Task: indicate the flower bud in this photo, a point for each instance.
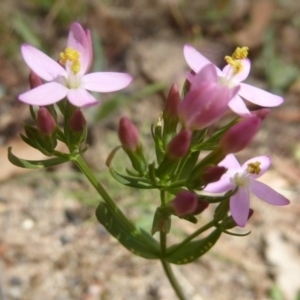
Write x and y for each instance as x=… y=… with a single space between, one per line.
x=212 y=174
x=128 y=135
x=45 y=121
x=240 y=135
x=78 y=121
x=172 y=103
x=184 y=203
x=179 y=145
x=201 y=206
x=34 y=80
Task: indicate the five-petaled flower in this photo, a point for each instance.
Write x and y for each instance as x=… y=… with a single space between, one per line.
x=244 y=179
x=236 y=71
x=67 y=77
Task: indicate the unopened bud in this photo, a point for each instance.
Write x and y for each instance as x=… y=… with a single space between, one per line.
x=172 y=103
x=201 y=206
x=34 y=80
x=212 y=174
x=179 y=145
x=261 y=113
x=240 y=135
x=128 y=135
x=184 y=203
x=45 y=121
x=78 y=121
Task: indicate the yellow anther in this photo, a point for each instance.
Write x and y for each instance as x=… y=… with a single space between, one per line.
x=236 y=65
x=73 y=56
x=254 y=168
x=240 y=53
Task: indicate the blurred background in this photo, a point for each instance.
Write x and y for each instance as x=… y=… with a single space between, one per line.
x=51 y=246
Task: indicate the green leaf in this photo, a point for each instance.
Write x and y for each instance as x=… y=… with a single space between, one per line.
x=34 y=164
x=134 y=239
x=136 y=182
x=192 y=250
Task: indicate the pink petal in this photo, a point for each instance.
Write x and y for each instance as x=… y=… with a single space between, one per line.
x=40 y=63
x=238 y=106
x=259 y=96
x=195 y=60
x=221 y=186
x=265 y=163
x=231 y=163
x=239 y=206
x=105 y=81
x=207 y=73
x=243 y=74
x=267 y=194
x=81 y=98
x=78 y=40
x=45 y=94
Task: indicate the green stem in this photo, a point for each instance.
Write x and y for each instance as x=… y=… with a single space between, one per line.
x=80 y=163
x=193 y=235
x=172 y=279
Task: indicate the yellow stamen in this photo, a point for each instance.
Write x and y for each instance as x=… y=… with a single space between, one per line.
x=73 y=56
x=235 y=64
x=240 y=53
x=254 y=168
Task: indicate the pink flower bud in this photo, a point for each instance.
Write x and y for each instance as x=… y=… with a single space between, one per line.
x=240 y=135
x=201 y=206
x=34 y=80
x=261 y=113
x=45 y=121
x=212 y=174
x=128 y=134
x=172 y=102
x=184 y=203
x=78 y=121
x=179 y=145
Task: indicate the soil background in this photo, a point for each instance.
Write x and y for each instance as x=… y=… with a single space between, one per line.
x=51 y=245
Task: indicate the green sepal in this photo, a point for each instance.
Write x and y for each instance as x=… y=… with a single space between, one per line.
x=32 y=113
x=162 y=220
x=136 y=182
x=192 y=250
x=222 y=210
x=213 y=141
x=136 y=240
x=34 y=164
x=159 y=147
x=190 y=218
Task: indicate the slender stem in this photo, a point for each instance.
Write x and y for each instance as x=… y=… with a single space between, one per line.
x=172 y=279
x=193 y=235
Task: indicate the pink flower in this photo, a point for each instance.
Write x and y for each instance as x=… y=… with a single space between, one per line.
x=206 y=101
x=233 y=74
x=244 y=178
x=68 y=78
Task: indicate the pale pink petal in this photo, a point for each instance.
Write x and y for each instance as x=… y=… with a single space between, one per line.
x=239 y=206
x=265 y=163
x=259 y=96
x=223 y=185
x=44 y=94
x=243 y=74
x=90 y=44
x=230 y=162
x=238 y=106
x=40 y=63
x=105 y=81
x=267 y=194
x=78 y=40
x=195 y=60
x=81 y=98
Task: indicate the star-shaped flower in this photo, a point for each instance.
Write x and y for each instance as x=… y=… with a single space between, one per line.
x=236 y=71
x=67 y=77
x=244 y=179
